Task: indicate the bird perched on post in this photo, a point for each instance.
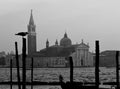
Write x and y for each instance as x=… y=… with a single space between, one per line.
x=22 y=34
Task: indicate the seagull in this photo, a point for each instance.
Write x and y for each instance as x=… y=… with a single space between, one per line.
x=22 y=34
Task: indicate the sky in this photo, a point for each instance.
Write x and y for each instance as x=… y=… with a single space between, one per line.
x=90 y=20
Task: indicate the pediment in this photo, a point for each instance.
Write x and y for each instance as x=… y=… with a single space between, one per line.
x=82 y=45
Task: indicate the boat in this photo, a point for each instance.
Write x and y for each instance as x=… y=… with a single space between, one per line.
x=69 y=85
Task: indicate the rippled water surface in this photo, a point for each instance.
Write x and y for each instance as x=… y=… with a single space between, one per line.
x=52 y=74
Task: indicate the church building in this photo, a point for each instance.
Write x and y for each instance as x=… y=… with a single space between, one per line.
x=55 y=55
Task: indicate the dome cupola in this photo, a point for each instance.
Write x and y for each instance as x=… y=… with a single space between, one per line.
x=65 y=41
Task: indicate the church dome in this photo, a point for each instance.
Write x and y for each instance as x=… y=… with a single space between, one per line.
x=65 y=41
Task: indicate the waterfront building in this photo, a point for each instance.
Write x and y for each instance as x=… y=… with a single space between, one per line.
x=55 y=55
x=82 y=56
x=2 y=58
x=2 y=54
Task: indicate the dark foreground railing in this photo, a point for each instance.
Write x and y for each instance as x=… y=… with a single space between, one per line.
x=54 y=83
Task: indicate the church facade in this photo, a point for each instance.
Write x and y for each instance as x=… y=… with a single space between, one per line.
x=56 y=55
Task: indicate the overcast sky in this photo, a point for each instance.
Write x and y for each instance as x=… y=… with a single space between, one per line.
x=82 y=19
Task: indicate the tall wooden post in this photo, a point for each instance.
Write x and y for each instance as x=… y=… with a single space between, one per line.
x=71 y=69
x=32 y=73
x=24 y=63
x=10 y=73
x=117 y=68
x=17 y=65
x=97 y=64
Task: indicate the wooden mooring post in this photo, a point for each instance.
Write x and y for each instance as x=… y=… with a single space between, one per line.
x=17 y=65
x=71 y=69
x=97 y=65
x=24 y=63
x=117 y=69
x=10 y=73
x=32 y=61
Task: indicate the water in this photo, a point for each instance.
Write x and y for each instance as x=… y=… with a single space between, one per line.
x=52 y=74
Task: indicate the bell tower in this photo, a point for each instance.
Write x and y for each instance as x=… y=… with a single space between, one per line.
x=31 y=36
x=47 y=43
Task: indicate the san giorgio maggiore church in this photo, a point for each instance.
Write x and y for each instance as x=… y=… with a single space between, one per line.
x=57 y=54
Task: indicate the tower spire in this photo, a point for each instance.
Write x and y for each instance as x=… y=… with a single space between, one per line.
x=56 y=43
x=82 y=41
x=47 y=43
x=31 y=22
x=31 y=36
x=65 y=35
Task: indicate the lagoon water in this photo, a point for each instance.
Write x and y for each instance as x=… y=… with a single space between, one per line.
x=52 y=74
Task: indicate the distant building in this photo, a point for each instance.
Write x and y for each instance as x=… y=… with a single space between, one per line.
x=2 y=58
x=108 y=58
x=31 y=36
x=2 y=54
x=55 y=55
x=8 y=57
x=5 y=58
x=82 y=56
